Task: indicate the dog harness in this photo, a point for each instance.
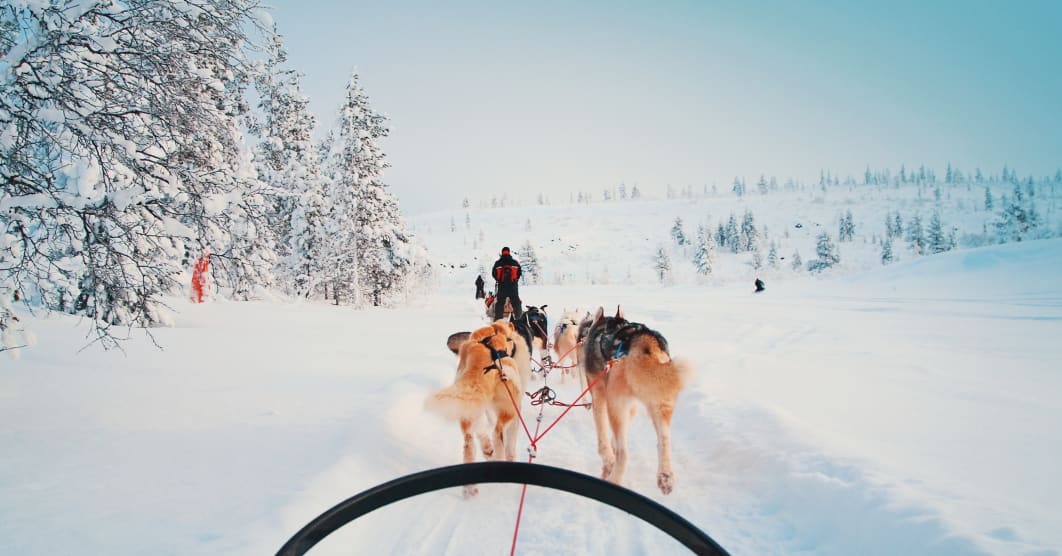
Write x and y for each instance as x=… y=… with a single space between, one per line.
x=495 y=355
x=564 y=324
x=618 y=344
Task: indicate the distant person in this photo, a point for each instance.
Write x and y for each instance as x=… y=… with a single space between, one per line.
x=480 y=294
x=760 y=286
x=507 y=273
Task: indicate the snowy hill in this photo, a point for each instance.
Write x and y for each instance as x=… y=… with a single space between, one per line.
x=909 y=409
x=616 y=241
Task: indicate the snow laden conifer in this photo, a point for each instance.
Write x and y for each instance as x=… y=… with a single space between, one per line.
x=375 y=254
x=532 y=272
x=704 y=252
x=662 y=265
x=289 y=164
x=733 y=240
x=916 y=235
x=677 y=233
x=887 y=256
x=772 y=256
x=798 y=263
x=827 y=252
x=846 y=229
x=937 y=240
x=120 y=154
x=738 y=187
x=242 y=245
x=757 y=256
x=720 y=236
x=1017 y=219
x=749 y=234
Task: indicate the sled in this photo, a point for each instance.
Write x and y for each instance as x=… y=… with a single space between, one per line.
x=557 y=478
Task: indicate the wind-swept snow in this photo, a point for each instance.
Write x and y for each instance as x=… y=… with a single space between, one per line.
x=909 y=410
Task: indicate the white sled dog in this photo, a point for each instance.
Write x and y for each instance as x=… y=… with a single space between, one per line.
x=479 y=394
x=642 y=371
x=565 y=338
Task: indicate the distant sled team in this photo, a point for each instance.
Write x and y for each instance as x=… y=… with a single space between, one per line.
x=625 y=362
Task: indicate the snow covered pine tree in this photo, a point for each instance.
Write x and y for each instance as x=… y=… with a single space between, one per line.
x=288 y=163
x=364 y=211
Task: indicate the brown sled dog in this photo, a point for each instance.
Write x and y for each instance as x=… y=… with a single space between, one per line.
x=485 y=357
x=642 y=371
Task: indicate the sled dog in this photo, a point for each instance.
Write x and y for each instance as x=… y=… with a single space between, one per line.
x=641 y=371
x=488 y=380
x=532 y=326
x=565 y=338
x=522 y=355
x=507 y=311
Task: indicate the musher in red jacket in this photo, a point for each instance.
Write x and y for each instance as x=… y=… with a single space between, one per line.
x=506 y=273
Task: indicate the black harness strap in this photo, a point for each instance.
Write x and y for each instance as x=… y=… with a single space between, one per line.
x=495 y=355
x=618 y=343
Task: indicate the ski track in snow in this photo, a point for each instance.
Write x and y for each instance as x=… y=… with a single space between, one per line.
x=300 y=430
x=760 y=496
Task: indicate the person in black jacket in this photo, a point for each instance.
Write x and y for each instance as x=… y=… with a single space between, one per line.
x=480 y=294
x=507 y=273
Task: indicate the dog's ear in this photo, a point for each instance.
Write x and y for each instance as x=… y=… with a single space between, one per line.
x=456 y=339
x=619 y=312
x=599 y=314
x=511 y=327
x=542 y=308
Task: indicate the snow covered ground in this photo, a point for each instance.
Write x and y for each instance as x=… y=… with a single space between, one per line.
x=911 y=409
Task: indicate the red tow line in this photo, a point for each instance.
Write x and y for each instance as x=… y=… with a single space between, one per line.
x=533 y=448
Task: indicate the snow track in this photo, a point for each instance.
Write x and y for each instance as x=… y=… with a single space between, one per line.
x=739 y=476
x=824 y=418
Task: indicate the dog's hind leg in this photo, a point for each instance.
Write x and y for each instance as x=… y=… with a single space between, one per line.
x=482 y=429
x=599 y=407
x=485 y=445
x=505 y=436
x=469 y=452
x=619 y=416
x=661 y=416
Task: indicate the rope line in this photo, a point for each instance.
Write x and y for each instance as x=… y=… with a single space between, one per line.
x=542 y=397
x=573 y=404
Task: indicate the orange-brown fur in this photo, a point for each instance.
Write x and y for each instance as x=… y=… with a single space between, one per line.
x=647 y=374
x=475 y=394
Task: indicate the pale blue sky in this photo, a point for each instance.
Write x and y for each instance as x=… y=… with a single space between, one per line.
x=557 y=96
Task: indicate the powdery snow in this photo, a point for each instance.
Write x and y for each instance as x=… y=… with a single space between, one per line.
x=907 y=410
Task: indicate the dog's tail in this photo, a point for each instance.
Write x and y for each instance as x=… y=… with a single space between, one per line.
x=459 y=401
x=655 y=346
x=683 y=370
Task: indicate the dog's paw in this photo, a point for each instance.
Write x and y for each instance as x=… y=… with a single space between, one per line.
x=470 y=491
x=666 y=482
x=488 y=449
x=606 y=470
